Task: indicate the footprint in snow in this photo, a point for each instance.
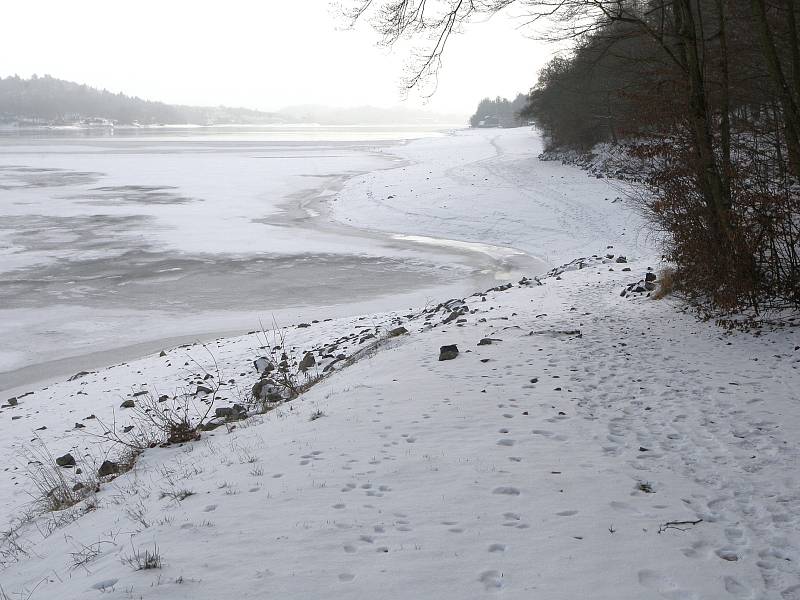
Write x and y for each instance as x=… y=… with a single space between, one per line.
x=727 y=554
x=734 y=535
x=567 y=513
x=622 y=506
x=491 y=580
x=791 y=593
x=664 y=586
x=497 y=548
x=734 y=587
x=106 y=584
x=506 y=490
x=346 y=577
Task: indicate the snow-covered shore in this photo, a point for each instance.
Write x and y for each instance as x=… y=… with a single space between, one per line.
x=125 y=246
x=548 y=463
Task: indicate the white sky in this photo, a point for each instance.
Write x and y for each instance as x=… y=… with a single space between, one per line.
x=262 y=54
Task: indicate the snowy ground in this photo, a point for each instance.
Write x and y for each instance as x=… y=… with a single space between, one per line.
x=547 y=464
x=487 y=185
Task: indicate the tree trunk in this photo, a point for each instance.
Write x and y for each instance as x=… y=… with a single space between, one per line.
x=789 y=108
x=710 y=179
x=725 y=106
x=795 y=48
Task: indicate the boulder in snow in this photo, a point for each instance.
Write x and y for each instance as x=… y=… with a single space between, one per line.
x=448 y=352
x=109 y=467
x=66 y=461
x=307 y=362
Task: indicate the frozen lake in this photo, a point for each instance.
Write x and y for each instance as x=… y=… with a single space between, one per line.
x=113 y=247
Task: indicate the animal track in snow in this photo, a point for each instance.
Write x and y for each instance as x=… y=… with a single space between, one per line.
x=727 y=554
x=491 y=580
x=506 y=490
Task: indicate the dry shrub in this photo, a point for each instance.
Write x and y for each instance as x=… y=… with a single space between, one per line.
x=143 y=560
x=56 y=488
x=162 y=420
x=284 y=376
x=755 y=264
x=666 y=284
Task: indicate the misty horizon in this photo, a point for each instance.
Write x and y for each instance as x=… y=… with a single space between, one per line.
x=264 y=57
x=50 y=101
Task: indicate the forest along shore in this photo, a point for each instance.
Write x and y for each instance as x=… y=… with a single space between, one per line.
x=568 y=421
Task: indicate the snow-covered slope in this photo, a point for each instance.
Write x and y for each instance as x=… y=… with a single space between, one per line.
x=600 y=446
x=488 y=186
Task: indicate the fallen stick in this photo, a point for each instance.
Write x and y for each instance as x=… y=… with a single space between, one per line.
x=677 y=525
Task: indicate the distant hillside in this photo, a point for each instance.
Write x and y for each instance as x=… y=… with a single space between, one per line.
x=50 y=101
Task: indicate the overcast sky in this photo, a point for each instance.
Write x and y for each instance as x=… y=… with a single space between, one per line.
x=262 y=54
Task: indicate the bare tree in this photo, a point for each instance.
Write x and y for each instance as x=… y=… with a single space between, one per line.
x=712 y=85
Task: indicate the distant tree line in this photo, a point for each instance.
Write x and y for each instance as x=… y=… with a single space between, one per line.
x=706 y=92
x=500 y=112
x=52 y=100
